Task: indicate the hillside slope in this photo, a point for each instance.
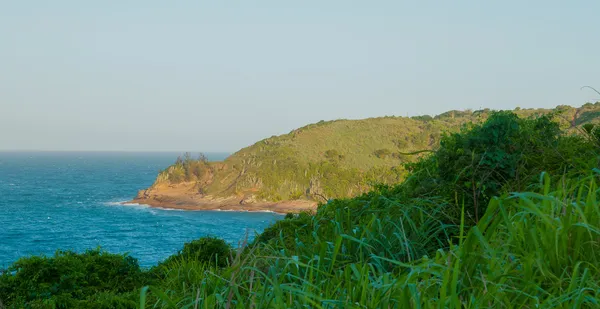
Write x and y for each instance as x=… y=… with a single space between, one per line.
x=329 y=159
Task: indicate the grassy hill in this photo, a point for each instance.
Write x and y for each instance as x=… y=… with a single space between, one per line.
x=340 y=158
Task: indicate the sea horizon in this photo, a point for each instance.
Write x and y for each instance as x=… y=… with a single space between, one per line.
x=114 y=151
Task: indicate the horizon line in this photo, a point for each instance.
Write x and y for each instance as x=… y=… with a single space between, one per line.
x=115 y=151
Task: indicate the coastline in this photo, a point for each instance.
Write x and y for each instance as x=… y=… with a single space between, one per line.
x=195 y=203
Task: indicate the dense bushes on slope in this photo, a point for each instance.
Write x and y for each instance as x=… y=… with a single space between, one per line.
x=504 y=154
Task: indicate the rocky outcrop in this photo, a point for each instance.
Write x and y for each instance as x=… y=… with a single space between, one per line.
x=185 y=196
x=251 y=199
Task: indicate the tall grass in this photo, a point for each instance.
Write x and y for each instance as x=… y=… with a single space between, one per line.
x=529 y=250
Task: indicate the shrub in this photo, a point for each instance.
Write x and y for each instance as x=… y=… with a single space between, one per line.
x=422 y=118
x=291 y=228
x=505 y=153
x=209 y=250
x=333 y=155
x=186 y=169
x=68 y=277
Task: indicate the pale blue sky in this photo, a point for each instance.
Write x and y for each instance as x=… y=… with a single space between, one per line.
x=220 y=75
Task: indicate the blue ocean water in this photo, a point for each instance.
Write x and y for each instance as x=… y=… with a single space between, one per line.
x=69 y=200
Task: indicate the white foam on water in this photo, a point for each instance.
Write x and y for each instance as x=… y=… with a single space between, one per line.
x=269 y=211
x=145 y=206
x=169 y=209
x=125 y=204
x=115 y=203
x=136 y=205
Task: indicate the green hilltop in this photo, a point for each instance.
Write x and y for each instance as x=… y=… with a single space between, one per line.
x=339 y=158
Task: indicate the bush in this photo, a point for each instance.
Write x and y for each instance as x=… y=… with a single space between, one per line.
x=422 y=118
x=288 y=231
x=209 y=250
x=186 y=169
x=333 y=155
x=68 y=277
x=505 y=153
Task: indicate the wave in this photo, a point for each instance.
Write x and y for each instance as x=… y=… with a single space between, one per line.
x=118 y=203
x=145 y=206
x=138 y=205
x=124 y=203
x=169 y=209
x=245 y=210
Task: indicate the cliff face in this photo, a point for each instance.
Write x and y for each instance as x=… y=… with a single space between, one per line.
x=333 y=159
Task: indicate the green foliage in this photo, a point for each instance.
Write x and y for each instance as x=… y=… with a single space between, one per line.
x=69 y=280
x=422 y=118
x=209 y=250
x=186 y=169
x=287 y=231
x=530 y=250
x=503 y=154
x=592 y=131
x=333 y=155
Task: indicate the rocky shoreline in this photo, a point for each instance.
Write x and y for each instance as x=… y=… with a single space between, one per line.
x=181 y=197
x=282 y=207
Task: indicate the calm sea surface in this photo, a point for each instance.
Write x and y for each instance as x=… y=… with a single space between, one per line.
x=70 y=200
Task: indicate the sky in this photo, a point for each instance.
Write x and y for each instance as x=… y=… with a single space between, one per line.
x=146 y=75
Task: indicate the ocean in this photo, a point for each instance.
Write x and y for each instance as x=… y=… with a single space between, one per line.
x=72 y=201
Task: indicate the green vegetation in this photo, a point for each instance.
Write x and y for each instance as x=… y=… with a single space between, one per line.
x=187 y=169
x=333 y=155
x=98 y=279
x=503 y=214
x=504 y=154
x=210 y=250
x=71 y=280
x=342 y=158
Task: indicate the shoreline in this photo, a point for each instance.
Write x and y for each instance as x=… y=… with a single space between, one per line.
x=233 y=204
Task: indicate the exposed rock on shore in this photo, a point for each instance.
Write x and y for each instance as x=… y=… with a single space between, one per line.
x=183 y=196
